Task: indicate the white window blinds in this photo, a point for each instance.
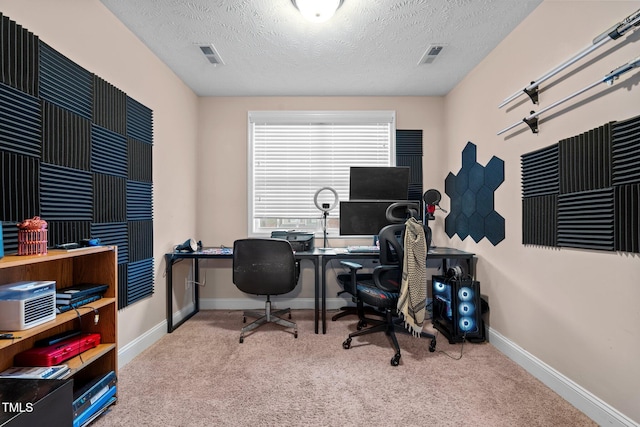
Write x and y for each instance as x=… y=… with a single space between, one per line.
x=292 y=154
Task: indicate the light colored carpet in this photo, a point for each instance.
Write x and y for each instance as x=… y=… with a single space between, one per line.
x=200 y=375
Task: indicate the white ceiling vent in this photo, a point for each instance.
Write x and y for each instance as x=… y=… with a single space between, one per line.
x=211 y=54
x=431 y=53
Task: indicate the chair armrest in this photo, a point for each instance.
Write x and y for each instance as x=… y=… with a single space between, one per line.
x=385 y=285
x=351 y=265
x=353 y=283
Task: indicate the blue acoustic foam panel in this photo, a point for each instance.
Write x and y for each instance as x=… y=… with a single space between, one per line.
x=472 y=199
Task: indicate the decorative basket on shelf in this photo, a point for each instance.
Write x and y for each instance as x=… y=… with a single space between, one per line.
x=32 y=236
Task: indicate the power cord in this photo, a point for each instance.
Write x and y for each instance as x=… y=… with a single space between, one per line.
x=96 y=319
x=464 y=339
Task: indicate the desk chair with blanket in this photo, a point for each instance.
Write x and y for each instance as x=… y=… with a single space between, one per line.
x=265 y=267
x=399 y=285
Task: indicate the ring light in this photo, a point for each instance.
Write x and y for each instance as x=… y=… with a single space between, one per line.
x=335 y=199
x=325 y=210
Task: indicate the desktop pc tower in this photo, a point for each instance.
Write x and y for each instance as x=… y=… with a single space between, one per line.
x=458 y=309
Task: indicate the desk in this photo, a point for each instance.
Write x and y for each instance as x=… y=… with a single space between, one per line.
x=441 y=253
x=215 y=253
x=319 y=258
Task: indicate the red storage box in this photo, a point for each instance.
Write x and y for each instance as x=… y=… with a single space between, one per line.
x=57 y=353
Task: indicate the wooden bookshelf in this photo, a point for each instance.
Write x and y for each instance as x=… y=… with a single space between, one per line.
x=68 y=268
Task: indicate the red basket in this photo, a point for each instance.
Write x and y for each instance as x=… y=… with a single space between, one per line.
x=32 y=242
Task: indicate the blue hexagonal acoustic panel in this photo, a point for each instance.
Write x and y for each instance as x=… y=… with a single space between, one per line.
x=472 y=198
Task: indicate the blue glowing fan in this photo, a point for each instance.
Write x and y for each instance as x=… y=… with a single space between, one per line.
x=466 y=309
x=467 y=324
x=465 y=294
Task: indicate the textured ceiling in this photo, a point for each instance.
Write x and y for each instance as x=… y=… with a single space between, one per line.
x=369 y=47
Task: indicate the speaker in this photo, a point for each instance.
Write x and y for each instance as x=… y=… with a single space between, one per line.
x=457 y=308
x=189 y=245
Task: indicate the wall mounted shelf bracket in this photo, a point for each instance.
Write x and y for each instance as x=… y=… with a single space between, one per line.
x=532 y=93
x=532 y=122
x=613 y=33
x=608 y=79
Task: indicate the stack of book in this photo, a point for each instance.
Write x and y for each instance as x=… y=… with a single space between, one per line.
x=94 y=398
x=78 y=295
x=35 y=372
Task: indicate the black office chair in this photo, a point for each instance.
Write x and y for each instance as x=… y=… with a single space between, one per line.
x=265 y=267
x=385 y=291
x=346 y=280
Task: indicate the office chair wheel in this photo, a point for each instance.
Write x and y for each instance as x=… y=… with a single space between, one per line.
x=244 y=319
x=432 y=345
x=295 y=334
x=347 y=344
x=241 y=340
x=395 y=360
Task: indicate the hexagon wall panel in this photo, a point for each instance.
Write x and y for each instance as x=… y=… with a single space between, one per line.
x=472 y=198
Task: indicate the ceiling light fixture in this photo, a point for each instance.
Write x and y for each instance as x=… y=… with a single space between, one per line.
x=317 y=10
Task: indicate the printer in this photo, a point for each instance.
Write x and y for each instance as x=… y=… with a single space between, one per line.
x=301 y=241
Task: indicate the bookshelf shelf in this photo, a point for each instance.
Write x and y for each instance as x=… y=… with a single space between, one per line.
x=68 y=268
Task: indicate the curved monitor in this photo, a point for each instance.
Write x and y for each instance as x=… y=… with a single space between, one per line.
x=378 y=183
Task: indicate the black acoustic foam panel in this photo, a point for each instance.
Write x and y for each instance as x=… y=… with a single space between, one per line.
x=19 y=60
x=409 y=153
x=76 y=151
x=598 y=204
x=20 y=122
x=20 y=189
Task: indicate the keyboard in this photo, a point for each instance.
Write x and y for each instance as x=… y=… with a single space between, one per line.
x=363 y=249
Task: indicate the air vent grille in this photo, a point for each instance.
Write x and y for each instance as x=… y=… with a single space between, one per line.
x=211 y=54
x=38 y=308
x=433 y=50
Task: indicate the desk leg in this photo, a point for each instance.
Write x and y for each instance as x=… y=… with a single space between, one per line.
x=196 y=285
x=316 y=270
x=324 y=295
x=196 y=292
x=169 y=273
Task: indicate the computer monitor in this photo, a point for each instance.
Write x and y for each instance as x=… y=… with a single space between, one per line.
x=379 y=183
x=366 y=217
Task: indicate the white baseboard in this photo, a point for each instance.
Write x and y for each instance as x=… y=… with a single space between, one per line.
x=128 y=352
x=585 y=401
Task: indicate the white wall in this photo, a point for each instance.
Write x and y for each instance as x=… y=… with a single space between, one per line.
x=575 y=310
x=222 y=199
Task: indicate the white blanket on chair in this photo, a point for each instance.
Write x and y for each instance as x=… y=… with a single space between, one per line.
x=413 y=290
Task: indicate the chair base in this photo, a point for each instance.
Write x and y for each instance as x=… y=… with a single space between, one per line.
x=389 y=327
x=352 y=310
x=267 y=316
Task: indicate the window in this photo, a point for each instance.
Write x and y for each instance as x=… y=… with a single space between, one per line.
x=293 y=154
